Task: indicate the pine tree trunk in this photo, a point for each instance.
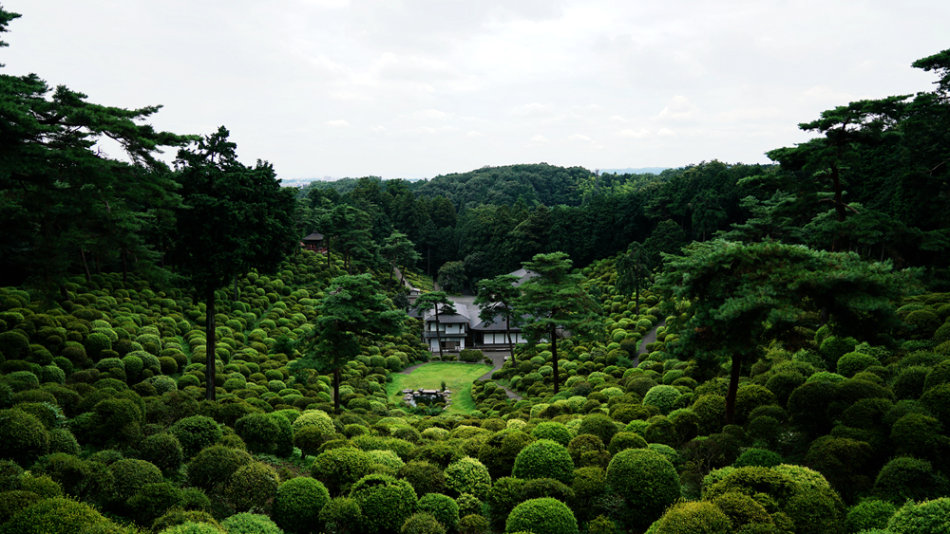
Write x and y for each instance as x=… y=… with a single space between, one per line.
x=438 y=331
x=557 y=378
x=734 y=373
x=210 y=342
x=336 y=390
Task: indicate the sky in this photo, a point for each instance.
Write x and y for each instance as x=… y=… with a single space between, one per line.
x=417 y=88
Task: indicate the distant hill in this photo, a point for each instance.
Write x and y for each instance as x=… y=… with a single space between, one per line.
x=640 y=170
x=538 y=183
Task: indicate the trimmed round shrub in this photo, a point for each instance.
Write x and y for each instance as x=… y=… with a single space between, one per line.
x=588 y=450
x=248 y=523
x=163 y=450
x=189 y=527
x=928 y=517
x=552 y=431
x=13 y=501
x=177 y=517
x=58 y=515
x=339 y=468
x=498 y=453
x=468 y=475
x=424 y=477
x=41 y=485
x=215 y=465
x=646 y=481
x=468 y=504
x=599 y=425
x=544 y=459
x=342 y=515
x=474 y=524
x=663 y=397
x=905 y=478
x=442 y=507
x=130 y=475
x=151 y=501
x=542 y=516
x=693 y=518
x=385 y=502
x=195 y=433
x=868 y=514
x=855 y=362
x=742 y=509
x=626 y=440
x=23 y=438
x=298 y=504
x=251 y=486
x=758 y=457
x=62 y=440
x=422 y=523
x=266 y=433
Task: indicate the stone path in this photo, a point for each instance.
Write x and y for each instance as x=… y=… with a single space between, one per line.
x=647 y=339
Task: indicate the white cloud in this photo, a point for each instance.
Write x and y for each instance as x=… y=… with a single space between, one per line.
x=638 y=133
x=338 y=123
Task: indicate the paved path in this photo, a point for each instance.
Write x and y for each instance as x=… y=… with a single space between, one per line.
x=647 y=339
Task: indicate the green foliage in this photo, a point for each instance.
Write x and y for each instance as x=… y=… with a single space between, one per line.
x=248 y=523
x=164 y=451
x=693 y=517
x=153 y=500
x=342 y=515
x=59 y=515
x=758 y=457
x=868 y=514
x=339 y=468
x=130 y=475
x=422 y=523
x=385 y=502
x=266 y=433
x=906 y=478
x=23 y=438
x=251 y=486
x=544 y=459
x=468 y=475
x=663 y=397
x=928 y=517
x=298 y=503
x=195 y=433
x=442 y=507
x=552 y=431
x=215 y=465
x=542 y=516
x=646 y=481
x=599 y=425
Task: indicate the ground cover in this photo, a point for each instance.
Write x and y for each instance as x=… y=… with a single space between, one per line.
x=458 y=377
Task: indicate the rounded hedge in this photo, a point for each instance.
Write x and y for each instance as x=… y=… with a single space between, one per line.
x=552 y=431
x=646 y=481
x=468 y=475
x=164 y=450
x=421 y=523
x=442 y=507
x=251 y=486
x=693 y=517
x=906 y=478
x=928 y=517
x=195 y=433
x=266 y=433
x=544 y=459
x=339 y=468
x=298 y=504
x=498 y=453
x=23 y=438
x=385 y=502
x=868 y=514
x=599 y=425
x=542 y=516
x=342 y=515
x=58 y=515
x=248 y=523
x=214 y=465
x=663 y=397
x=130 y=475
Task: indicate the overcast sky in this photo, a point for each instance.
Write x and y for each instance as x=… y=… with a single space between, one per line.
x=413 y=88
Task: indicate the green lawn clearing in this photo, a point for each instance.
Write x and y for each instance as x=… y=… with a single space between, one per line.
x=458 y=377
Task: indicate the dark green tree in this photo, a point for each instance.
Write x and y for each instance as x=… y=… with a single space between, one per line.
x=234 y=218
x=633 y=270
x=496 y=298
x=354 y=312
x=735 y=296
x=439 y=303
x=554 y=303
x=400 y=252
x=65 y=205
x=452 y=277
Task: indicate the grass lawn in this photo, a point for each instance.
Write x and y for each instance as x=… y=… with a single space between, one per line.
x=458 y=377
